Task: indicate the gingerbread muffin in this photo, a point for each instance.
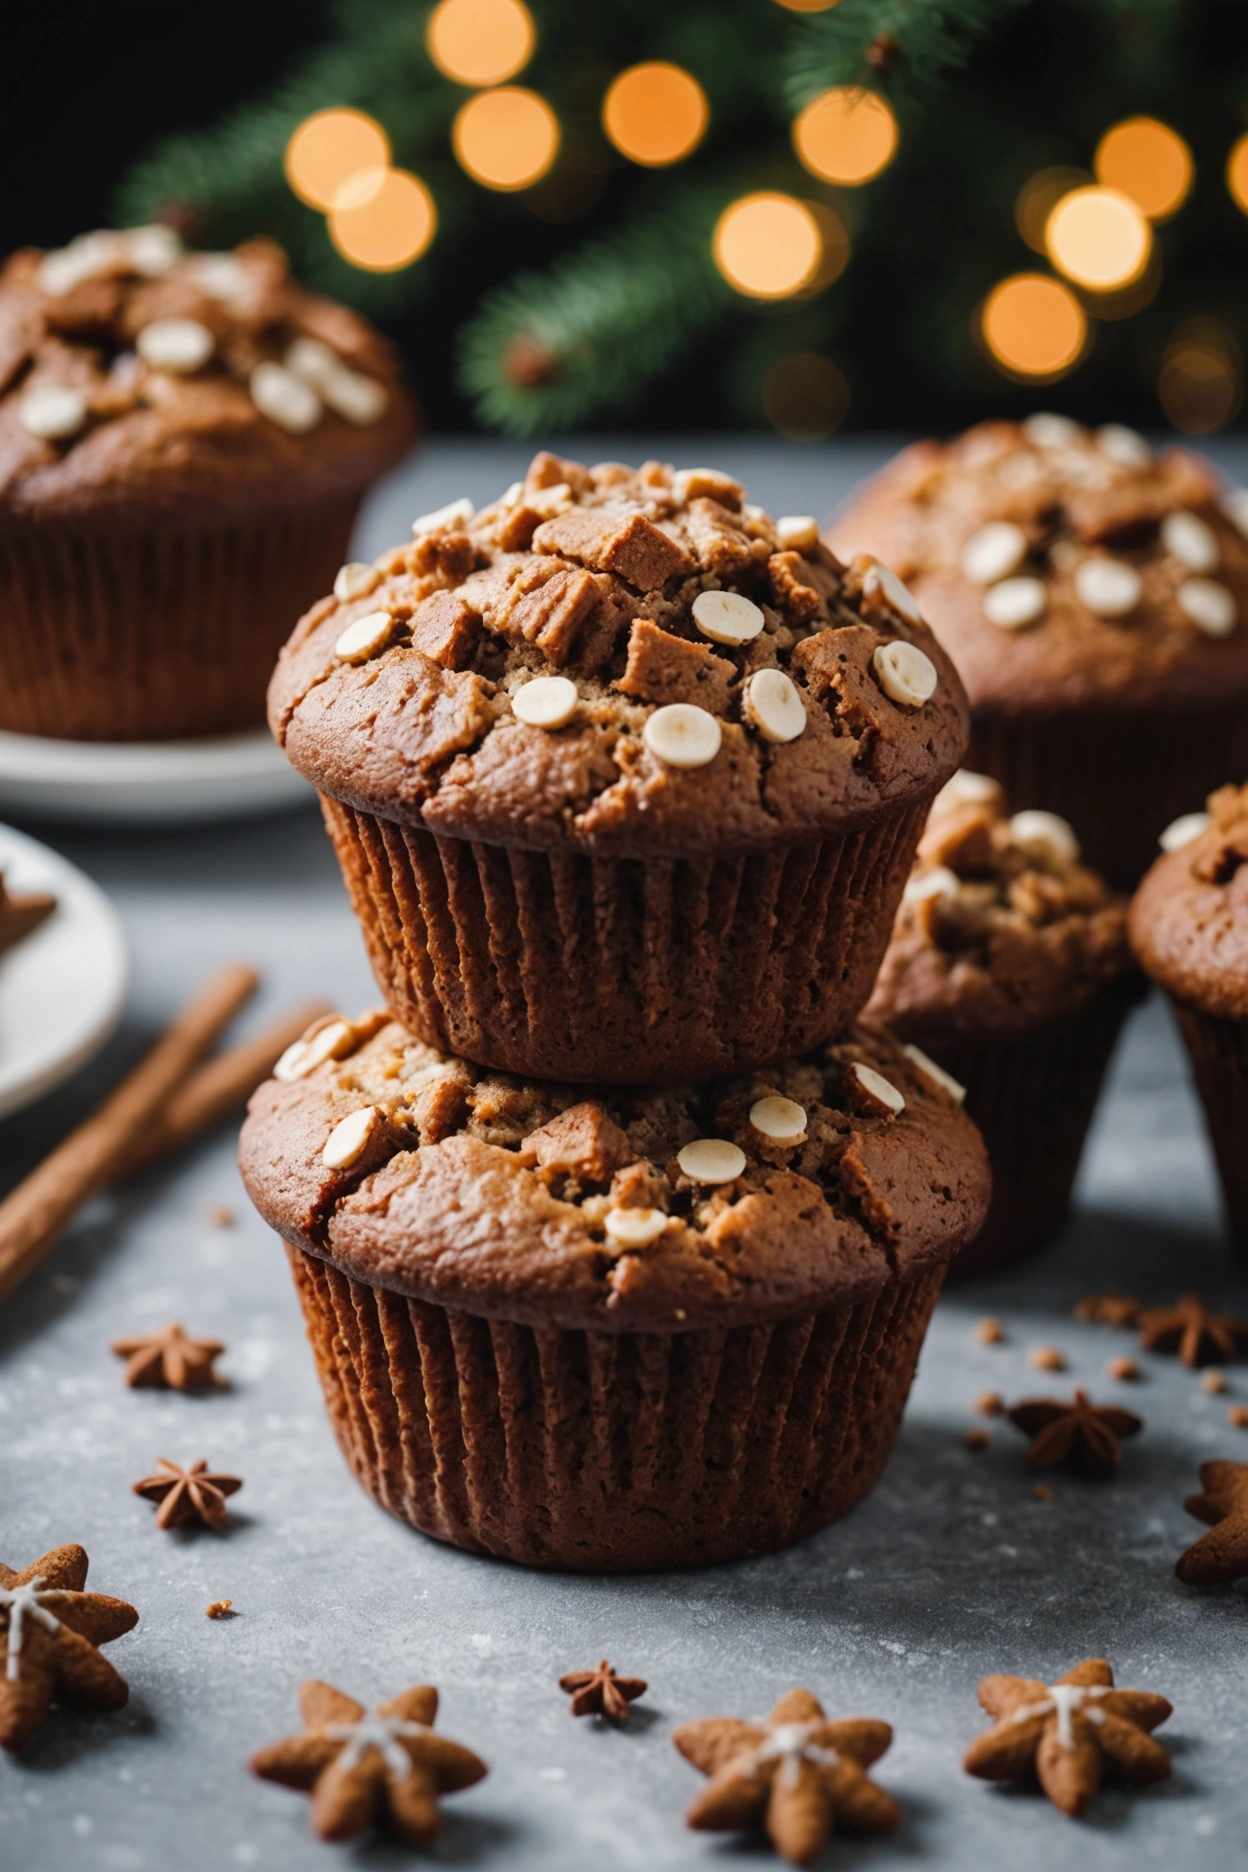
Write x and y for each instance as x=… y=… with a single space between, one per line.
x=625 y=778
x=184 y=442
x=653 y=1328
x=1009 y=965
x=1094 y=597
x=1189 y=928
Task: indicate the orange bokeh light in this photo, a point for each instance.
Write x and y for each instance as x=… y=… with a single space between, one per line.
x=506 y=139
x=767 y=245
x=655 y=114
x=383 y=219
x=1148 y=161
x=846 y=135
x=1237 y=173
x=480 y=42
x=328 y=148
x=1033 y=327
x=1099 y=238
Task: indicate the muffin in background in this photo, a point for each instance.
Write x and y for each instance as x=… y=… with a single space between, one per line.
x=1009 y=966
x=652 y=1328
x=1094 y=596
x=1189 y=928
x=184 y=442
x=625 y=778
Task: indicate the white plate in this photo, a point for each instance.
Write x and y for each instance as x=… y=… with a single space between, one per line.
x=62 y=988
x=147 y=782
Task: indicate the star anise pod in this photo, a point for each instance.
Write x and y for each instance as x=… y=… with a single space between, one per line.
x=363 y=1766
x=601 y=1692
x=172 y=1358
x=1110 y=1309
x=1069 y=1734
x=1223 y=1502
x=794 y=1775
x=1082 y=1436
x=1199 y=1336
x=49 y=1632
x=19 y=915
x=193 y=1494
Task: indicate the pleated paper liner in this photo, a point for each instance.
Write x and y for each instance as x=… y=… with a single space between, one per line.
x=165 y=633
x=557 y=966
x=612 y=1452
x=1218 y=1047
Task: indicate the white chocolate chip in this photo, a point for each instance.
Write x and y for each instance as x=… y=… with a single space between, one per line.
x=1125 y=446
x=333 y=1041
x=711 y=1160
x=1044 y=836
x=152 y=250
x=443 y=519
x=348 y=1140
x=546 y=702
x=936 y=1074
x=965 y=788
x=1235 y=507
x=797 y=532
x=356 y=580
x=906 y=674
x=181 y=345
x=1015 y=603
x=877 y=1088
x=364 y=637
x=773 y=704
x=1108 y=587
x=285 y=399
x=1186 y=536
x=1047 y=431
x=879 y=578
x=940 y=882
x=727 y=617
x=782 y=1120
x=52 y=412
x=683 y=735
x=993 y=553
x=1208 y=605
x=1184 y=829
x=635 y=1228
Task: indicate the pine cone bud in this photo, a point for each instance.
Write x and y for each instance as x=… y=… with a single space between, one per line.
x=883 y=54
x=527 y=363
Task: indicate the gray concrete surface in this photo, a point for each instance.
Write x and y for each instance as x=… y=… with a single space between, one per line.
x=949 y=1570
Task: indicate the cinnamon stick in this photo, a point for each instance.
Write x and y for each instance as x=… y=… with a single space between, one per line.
x=34 y=1214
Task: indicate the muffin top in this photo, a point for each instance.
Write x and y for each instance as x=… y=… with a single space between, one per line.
x=1000 y=926
x=1067 y=568
x=622 y=662
x=1189 y=918
x=808 y=1186
x=138 y=380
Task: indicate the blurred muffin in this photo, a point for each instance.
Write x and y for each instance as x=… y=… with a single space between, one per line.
x=1094 y=597
x=654 y=1328
x=625 y=778
x=1189 y=928
x=184 y=442
x=1009 y=966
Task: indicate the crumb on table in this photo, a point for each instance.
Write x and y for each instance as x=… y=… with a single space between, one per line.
x=221 y=1608
x=990 y=1332
x=1046 y=1358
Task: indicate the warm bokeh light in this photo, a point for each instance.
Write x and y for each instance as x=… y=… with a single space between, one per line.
x=655 y=114
x=846 y=135
x=1033 y=327
x=1237 y=173
x=1130 y=299
x=805 y=396
x=506 y=139
x=383 y=219
x=807 y=6
x=1200 y=384
x=834 y=259
x=480 y=42
x=1098 y=238
x=1148 y=161
x=328 y=148
x=1039 y=196
x=767 y=245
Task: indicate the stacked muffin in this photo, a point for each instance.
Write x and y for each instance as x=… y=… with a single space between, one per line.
x=618 y=1239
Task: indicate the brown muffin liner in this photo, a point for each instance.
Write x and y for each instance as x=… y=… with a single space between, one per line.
x=1218 y=1047
x=611 y=1452
x=1033 y=1097
x=1120 y=778
x=556 y=966
x=169 y=632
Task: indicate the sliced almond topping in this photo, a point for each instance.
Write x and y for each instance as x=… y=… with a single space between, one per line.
x=1108 y=587
x=455 y=513
x=546 y=702
x=878 y=1094
x=880 y=579
x=1184 y=829
x=782 y=1120
x=906 y=674
x=1015 y=603
x=332 y=1041
x=797 y=532
x=940 y=882
x=1207 y=605
x=1186 y=536
x=937 y=1075
x=348 y=1140
x=360 y=399
x=285 y=399
x=965 y=788
x=1124 y=446
x=773 y=704
x=175 y=344
x=365 y=637
x=994 y=552
x=1235 y=507
x=711 y=1160
x=683 y=735
x=1044 y=430
x=356 y=580
x=727 y=617
x=635 y=1228
x=1044 y=836
x=53 y=412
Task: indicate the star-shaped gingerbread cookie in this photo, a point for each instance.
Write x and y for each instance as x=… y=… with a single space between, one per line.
x=795 y=1774
x=365 y=1767
x=49 y=1632
x=1221 y=1556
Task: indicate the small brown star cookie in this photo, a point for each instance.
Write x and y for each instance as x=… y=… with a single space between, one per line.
x=364 y=1767
x=196 y=1493
x=795 y=1775
x=1069 y=1734
x=1081 y=1435
x=1190 y=1328
x=1223 y=1502
x=50 y=1631
x=601 y=1692
x=170 y=1357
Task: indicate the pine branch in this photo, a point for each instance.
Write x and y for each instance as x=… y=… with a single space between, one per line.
x=914 y=43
